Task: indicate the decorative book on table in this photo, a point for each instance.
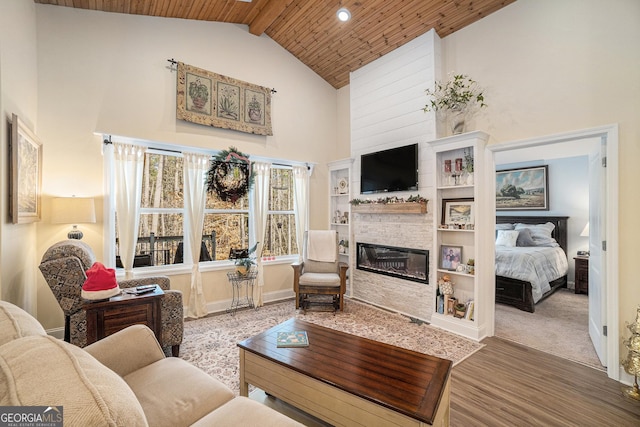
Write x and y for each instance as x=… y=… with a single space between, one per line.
x=292 y=339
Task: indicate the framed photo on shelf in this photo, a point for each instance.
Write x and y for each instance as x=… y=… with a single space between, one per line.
x=450 y=257
x=25 y=187
x=458 y=211
x=522 y=189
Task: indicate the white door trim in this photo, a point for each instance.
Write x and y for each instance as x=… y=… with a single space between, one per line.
x=610 y=134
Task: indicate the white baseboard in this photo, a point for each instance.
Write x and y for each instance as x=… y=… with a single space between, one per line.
x=269 y=297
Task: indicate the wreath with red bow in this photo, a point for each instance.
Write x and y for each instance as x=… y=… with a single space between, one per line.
x=230 y=175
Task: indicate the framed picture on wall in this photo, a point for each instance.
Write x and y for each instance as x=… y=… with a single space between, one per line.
x=522 y=189
x=25 y=187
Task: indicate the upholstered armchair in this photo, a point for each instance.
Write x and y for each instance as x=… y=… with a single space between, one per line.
x=320 y=272
x=64 y=265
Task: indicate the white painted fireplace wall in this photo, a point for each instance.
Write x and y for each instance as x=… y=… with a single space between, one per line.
x=387 y=97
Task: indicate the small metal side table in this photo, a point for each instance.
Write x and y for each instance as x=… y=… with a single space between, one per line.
x=240 y=282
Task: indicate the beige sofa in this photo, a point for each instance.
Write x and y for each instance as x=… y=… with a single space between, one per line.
x=122 y=380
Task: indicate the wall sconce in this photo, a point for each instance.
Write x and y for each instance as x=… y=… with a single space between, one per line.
x=73 y=210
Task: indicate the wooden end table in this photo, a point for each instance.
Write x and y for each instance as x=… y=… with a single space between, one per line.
x=582 y=274
x=110 y=316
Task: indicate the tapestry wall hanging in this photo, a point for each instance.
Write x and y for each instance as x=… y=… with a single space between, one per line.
x=215 y=100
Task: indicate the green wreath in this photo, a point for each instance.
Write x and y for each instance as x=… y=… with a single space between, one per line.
x=230 y=175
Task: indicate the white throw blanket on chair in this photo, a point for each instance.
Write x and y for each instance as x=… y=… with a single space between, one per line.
x=321 y=245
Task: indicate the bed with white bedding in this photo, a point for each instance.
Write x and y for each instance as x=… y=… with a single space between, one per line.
x=530 y=271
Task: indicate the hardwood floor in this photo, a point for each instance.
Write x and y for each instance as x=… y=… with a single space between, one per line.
x=507 y=384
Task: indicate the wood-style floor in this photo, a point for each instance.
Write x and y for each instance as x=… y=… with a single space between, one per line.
x=507 y=384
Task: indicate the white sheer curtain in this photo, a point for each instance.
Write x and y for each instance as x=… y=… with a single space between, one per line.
x=128 y=167
x=259 y=208
x=300 y=202
x=195 y=170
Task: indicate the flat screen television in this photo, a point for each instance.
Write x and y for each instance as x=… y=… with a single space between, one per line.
x=390 y=170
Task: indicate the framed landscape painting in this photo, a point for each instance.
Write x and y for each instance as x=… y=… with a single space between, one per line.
x=25 y=152
x=522 y=189
x=457 y=211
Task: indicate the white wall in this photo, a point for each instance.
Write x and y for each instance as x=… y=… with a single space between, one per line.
x=18 y=95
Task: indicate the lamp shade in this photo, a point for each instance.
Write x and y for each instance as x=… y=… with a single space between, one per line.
x=73 y=210
x=585 y=231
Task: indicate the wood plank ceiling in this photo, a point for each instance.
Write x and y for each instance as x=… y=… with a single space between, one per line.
x=310 y=30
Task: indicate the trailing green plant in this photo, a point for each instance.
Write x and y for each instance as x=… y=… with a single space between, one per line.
x=468 y=159
x=387 y=200
x=458 y=94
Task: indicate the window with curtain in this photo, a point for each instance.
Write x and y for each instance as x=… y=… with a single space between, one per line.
x=226 y=224
x=280 y=236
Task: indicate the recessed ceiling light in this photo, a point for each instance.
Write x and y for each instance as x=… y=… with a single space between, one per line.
x=343 y=14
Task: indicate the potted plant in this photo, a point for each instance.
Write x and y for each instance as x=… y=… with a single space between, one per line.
x=459 y=310
x=459 y=97
x=243 y=264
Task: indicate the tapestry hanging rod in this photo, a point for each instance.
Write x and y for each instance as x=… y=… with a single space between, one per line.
x=174 y=63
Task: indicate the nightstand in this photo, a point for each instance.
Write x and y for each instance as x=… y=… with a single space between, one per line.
x=109 y=316
x=582 y=274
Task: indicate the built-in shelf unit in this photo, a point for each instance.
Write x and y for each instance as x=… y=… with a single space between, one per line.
x=339 y=207
x=462 y=222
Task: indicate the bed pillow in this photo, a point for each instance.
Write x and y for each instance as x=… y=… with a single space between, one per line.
x=504 y=227
x=540 y=233
x=507 y=238
x=524 y=238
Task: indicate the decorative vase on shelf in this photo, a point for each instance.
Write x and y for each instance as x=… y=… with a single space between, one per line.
x=469 y=179
x=457 y=121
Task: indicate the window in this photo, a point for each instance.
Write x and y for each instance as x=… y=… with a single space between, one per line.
x=226 y=224
x=161 y=225
x=280 y=234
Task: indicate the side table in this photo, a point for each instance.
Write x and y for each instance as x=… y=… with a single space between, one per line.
x=109 y=316
x=240 y=282
x=582 y=274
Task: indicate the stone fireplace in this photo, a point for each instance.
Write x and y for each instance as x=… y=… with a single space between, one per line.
x=405 y=263
x=392 y=231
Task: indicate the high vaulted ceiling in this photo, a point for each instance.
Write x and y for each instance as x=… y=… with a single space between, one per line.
x=310 y=30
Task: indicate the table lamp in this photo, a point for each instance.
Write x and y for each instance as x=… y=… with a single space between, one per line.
x=585 y=231
x=73 y=210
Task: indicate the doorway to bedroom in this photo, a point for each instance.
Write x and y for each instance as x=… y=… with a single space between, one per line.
x=574 y=321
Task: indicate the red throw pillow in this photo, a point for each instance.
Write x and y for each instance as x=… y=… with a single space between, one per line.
x=101 y=283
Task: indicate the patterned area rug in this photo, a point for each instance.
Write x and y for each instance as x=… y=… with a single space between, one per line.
x=210 y=342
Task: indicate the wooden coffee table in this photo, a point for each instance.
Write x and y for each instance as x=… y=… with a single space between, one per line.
x=347 y=380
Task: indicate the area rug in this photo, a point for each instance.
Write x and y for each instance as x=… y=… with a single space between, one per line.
x=559 y=326
x=210 y=343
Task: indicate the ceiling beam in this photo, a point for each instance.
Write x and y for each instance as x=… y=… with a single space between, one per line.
x=267 y=15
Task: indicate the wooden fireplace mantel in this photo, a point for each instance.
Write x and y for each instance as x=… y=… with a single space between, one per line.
x=391 y=208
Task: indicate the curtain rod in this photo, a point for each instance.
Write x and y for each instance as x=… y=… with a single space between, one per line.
x=174 y=63
x=155 y=146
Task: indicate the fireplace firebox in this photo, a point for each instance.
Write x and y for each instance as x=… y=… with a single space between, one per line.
x=405 y=263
